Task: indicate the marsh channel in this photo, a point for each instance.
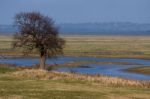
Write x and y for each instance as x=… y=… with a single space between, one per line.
x=114 y=69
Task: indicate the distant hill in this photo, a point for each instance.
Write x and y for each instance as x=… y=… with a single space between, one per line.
x=119 y=28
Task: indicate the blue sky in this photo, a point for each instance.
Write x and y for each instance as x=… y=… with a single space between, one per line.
x=79 y=11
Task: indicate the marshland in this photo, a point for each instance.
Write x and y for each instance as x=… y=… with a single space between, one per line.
x=26 y=81
x=74 y=49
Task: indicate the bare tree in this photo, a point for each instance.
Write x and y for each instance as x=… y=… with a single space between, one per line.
x=36 y=31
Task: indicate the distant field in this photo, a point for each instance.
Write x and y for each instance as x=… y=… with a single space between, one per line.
x=97 y=46
x=5 y=42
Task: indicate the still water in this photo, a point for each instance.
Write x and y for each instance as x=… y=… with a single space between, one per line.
x=103 y=69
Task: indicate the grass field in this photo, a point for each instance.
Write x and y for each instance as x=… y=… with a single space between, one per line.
x=37 y=84
x=96 y=46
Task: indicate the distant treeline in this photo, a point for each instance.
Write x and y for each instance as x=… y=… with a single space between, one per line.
x=119 y=28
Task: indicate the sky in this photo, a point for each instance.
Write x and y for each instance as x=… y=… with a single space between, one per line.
x=79 y=11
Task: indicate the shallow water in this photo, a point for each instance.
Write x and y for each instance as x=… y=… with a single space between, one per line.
x=104 y=69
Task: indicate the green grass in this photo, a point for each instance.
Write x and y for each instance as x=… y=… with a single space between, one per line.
x=49 y=89
x=38 y=89
x=17 y=87
x=5 y=69
x=142 y=70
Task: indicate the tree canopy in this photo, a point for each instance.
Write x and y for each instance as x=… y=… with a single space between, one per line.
x=36 y=31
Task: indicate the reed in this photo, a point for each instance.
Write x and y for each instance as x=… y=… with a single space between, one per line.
x=98 y=79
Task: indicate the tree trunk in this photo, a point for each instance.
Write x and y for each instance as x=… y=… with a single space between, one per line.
x=42 y=62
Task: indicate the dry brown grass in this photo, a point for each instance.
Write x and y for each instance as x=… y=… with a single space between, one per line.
x=96 y=79
x=108 y=46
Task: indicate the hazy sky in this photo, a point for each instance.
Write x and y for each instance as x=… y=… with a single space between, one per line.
x=79 y=11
